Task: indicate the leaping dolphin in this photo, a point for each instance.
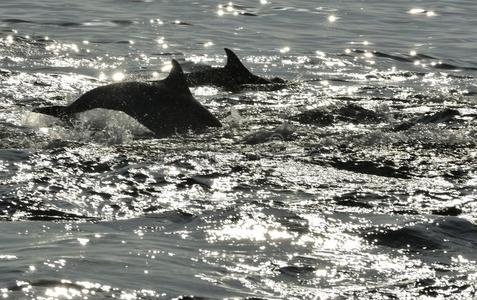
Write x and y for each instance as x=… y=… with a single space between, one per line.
x=165 y=107
x=232 y=76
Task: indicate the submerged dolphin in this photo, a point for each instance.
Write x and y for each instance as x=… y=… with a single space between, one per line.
x=443 y=116
x=165 y=107
x=232 y=76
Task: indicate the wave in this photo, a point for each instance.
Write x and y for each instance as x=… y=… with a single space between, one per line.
x=443 y=233
x=416 y=57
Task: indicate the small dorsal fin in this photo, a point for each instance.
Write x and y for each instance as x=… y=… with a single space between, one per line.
x=176 y=77
x=234 y=64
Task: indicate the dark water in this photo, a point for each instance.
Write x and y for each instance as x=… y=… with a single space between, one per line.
x=356 y=180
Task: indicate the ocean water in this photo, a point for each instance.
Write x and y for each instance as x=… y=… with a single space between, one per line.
x=357 y=180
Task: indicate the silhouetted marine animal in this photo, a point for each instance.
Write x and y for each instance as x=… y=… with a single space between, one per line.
x=165 y=106
x=232 y=76
x=443 y=116
x=350 y=113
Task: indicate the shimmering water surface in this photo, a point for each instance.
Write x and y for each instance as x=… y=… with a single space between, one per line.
x=356 y=180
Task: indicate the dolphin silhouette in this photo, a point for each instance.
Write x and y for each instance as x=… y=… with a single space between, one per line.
x=232 y=76
x=165 y=107
x=442 y=116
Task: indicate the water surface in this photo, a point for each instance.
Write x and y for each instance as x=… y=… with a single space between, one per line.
x=357 y=180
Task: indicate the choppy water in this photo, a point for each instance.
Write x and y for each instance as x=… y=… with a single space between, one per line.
x=342 y=185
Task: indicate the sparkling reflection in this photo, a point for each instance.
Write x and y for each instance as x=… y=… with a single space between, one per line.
x=251 y=229
x=420 y=11
x=83 y=241
x=118 y=76
x=285 y=50
x=287 y=218
x=166 y=67
x=61 y=292
x=415 y=11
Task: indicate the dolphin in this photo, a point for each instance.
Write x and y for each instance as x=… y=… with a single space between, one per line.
x=232 y=76
x=165 y=107
x=350 y=113
x=443 y=116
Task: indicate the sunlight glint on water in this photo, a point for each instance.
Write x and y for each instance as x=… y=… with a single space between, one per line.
x=356 y=179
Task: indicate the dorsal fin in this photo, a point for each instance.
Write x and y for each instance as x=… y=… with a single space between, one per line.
x=234 y=64
x=176 y=77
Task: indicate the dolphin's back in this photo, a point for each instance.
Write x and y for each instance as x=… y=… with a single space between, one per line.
x=124 y=96
x=232 y=75
x=164 y=107
x=128 y=97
